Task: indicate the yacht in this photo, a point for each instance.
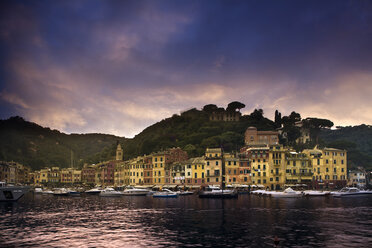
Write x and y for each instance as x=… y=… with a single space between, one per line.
x=216 y=192
x=351 y=192
x=316 y=193
x=94 y=191
x=109 y=192
x=165 y=193
x=60 y=192
x=287 y=193
x=11 y=193
x=135 y=192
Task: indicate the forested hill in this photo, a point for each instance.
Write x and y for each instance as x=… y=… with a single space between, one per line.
x=194 y=132
x=30 y=144
x=357 y=140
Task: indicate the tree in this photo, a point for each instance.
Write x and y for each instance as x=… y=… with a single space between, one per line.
x=278 y=118
x=315 y=125
x=257 y=114
x=210 y=108
x=233 y=106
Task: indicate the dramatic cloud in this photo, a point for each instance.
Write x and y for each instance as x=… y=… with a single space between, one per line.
x=119 y=66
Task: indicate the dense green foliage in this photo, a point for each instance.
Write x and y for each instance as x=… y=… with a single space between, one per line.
x=194 y=132
x=33 y=145
x=356 y=140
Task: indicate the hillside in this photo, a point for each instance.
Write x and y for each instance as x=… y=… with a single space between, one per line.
x=36 y=146
x=194 y=132
x=357 y=140
x=33 y=145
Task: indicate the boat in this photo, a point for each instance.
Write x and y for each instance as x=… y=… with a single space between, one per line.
x=38 y=190
x=72 y=192
x=12 y=193
x=47 y=192
x=351 y=191
x=315 y=193
x=185 y=192
x=110 y=192
x=135 y=192
x=287 y=193
x=94 y=191
x=165 y=193
x=60 y=192
x=216 y=192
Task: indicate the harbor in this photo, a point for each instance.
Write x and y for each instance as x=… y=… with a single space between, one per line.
x=43 y=220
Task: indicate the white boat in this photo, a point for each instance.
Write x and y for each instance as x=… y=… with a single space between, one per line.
x=287 y=193
x=165 y=193
x=94 y=191
x=60 y=192
x=135 y=192
x=316 y=193
x=216 y=192
x=47 y=192
x=11 y=193
x=351 y=192
x=38 y=190
x=110 y=192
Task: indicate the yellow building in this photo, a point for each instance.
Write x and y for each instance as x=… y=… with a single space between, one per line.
x=329 y=167
x=277 y=167
x=231 y=169
x=136 y=171
x=198 y=171
x=298 y=169
x=158 y=161
x=262 y=172
x=213 y=161
x=54 y=175
x=44 y=175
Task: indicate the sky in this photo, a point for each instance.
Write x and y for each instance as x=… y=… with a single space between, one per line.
x=117 y=67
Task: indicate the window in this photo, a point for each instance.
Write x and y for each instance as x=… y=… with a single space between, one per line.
x=271 y=179
x=202 y=174
x=216 y=162
x=334 y=170
x=277 y=179
x=207 y=162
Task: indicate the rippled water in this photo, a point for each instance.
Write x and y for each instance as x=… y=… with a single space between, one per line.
x=250 y=221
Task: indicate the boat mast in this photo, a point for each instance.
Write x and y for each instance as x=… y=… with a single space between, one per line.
x=223 y=183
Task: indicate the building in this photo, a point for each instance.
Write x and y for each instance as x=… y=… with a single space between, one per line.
x=244 y=168
x=213 y=161
x=88 y=174
x=198 y=171
x=148 y=170
x=253 y=137
x=225 y=116
x=119 y=153
x=357 y=179
x=178 y=173
x=232 y=169
x=329 y=167
x=299 y=169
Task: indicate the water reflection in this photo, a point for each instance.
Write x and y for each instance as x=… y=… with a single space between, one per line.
x=48 y=221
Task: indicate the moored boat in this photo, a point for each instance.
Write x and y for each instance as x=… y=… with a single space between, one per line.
x=11 y=193
x=351 y=192
x=60 y=192
x=38 y=190
x=215 y=192
x=287 y=193
x=316 y=193
x=135 y=192
x=110 y=192
x=165 y=193
x=94 y=191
